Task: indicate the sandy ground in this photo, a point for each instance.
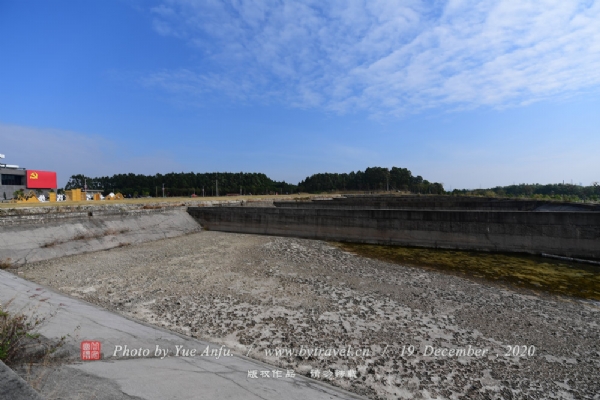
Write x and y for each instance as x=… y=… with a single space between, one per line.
x=256 y=294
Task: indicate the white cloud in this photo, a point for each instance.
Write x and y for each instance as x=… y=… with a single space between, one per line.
x=70 y=153
x=383 y=56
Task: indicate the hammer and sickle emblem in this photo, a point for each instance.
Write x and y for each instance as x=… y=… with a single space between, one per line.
x=33 y=175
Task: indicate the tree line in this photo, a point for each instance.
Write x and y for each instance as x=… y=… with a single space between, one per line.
x=556 y=191
x=185 y=184
x=371 y=179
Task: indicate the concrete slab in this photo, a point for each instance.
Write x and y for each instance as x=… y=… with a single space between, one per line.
x=220 y=375
x=14 y=387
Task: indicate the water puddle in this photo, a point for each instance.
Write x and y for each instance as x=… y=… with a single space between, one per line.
x=521 y=270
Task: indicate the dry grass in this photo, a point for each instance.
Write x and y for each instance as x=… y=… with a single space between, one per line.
x=6 y=263
x=84 y=236
x=24 y=350
x=19 y=340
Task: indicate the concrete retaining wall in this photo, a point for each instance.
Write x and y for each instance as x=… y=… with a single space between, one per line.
x=571 y=234
x=438 y=203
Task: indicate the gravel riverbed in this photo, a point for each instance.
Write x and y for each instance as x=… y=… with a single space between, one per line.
x=373 y=327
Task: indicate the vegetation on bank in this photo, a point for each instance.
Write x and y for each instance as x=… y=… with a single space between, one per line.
x=19 y=340
x=372 y=179
x=186 y=184
x=517 y=270
x=558 y=191
x=183 y=184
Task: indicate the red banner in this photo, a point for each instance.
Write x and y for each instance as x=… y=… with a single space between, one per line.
x=41 y=179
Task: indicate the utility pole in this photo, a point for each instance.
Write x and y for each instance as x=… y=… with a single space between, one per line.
x=163 y=188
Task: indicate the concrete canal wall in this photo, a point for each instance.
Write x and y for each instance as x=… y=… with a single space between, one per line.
x=41 y=233
x=571 y=234
x=438 y=203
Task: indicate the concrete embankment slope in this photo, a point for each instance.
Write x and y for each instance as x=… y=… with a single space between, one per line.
x=571 y=234
x=35 y=234
x=13 y=387
x=29 y=234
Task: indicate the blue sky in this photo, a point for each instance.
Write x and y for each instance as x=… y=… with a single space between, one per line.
x=468 y=93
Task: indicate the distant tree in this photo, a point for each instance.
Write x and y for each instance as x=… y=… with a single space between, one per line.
x=183 y=184
x=80 y=181
x=373 y=178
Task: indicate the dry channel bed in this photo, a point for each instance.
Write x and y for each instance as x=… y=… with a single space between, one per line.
x=253 y=293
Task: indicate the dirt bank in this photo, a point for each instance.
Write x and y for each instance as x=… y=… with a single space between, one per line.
x=256 y=293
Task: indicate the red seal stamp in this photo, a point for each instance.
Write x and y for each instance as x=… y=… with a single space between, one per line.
x=90 y=350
